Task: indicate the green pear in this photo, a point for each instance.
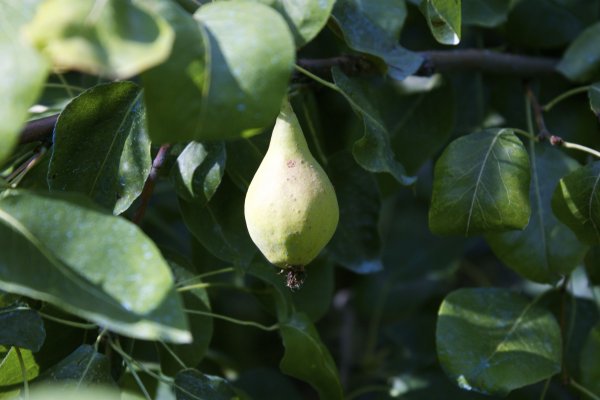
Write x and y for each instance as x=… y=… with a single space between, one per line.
x=291 y=209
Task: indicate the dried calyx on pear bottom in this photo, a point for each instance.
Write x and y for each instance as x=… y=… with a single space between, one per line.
x=291 y=209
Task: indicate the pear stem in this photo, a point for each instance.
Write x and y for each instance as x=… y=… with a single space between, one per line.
x=295 y=276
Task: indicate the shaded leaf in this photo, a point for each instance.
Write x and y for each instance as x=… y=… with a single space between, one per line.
x=263 y=383
x=115 y=38
x=581 y=61
x=576 y=202
x=389 y=15
x=494 y=341
x=306 y=357
x=590 y=361
x=198 y=170
x=305 y=18
x=245 y=155
x=192 y=384
x=546 y=249
x=444 y=19
x=66 y=251
x=22 y=72
x=594 y=96
x=372 y=151
x=481 y=185
x=21 y=327
x=592 y=265
x=84 y=365
x=101 y=148
x=365 y=36
x=356 y=244
x=486 y=13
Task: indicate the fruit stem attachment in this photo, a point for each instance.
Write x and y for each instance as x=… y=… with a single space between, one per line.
x=295 y=275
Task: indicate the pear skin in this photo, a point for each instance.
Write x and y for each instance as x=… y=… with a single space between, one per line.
x=291 y=209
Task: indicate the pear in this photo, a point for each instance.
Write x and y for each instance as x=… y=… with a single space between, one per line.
x=291 y=209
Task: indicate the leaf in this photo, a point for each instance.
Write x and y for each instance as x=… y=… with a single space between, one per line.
x=62 y=392
x=576 y=202
x=66 y=251
x=266 y=383
x=365 y=36
x=594 y=96
x=481 y=185
x=493 y=341
x=100 y=146
x=115 y=37
x=590 y=361
x=245 y=155
x=372 y=151
x=444 y=19
x=546 y=249
x=592 y=265
x=220 y=226
x=191 y=384
x=486 y=13
x=581 y=61
x=21 y=327
x=307 y=359
x=389 y=15
x=84 y=365
x=198 y=170
x=22 y=72
x=305 y=18
x=10 y=368
x=356 y=244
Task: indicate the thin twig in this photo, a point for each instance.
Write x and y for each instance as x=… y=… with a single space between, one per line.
x=38 y=130
x=151 y=182
x=273 y=327
x=565 y=95
x=584 y=390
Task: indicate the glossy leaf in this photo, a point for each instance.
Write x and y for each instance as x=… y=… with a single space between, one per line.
x=101 y=148
x=115 y=38
x=365 y=36
x=444 y=19
x=594 y=96
x=198 y=170
x=356 y=244
x=486 y=13
x=590 y=361
x=493 y=341
x=576 y=202
x=372 y=151
x=10 y=368
x=21 y=327
x=307 y=359
x=66 y=251
x=581 y=61
x=191 y=384
x=22 y=72
x=546 y=249
x=481 y=185
x=305 y=18
x=84 y=365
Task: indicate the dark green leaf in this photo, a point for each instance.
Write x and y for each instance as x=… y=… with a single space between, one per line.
x=481 y=185
x=486 y=13
x=389 y=15
x=581 y=61
x=22 y=72
x=305 y=18
x=546 y=249
x=198 y=171
x=306 y=357
x=372 y=151
x=101 y=148
x=220 y=226
x=576 y=202
x=10 y=368
x=315 y=297
x=494 y=341
x=590 y=361
x=356 y=244
x=244 y=157
x=277 y=293
x=263 y=383
x=66 y=251
x=192 y=384
x=592 y=265
x=365 y=36
x=21 y=327
x=594 y=96
x=444 y=19
x=83 y=365
x=116 y=38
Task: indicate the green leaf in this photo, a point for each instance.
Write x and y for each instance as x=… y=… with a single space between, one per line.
x=594 y=96
x=115 y=37
x=198 y=171
x=389 y=15
x=22 y=72
x=481 y=185
x=244 y=157
x=546 y=249
x=266 y=383
x=248 y=71
x=220 y=226
x=444 y=19
x=21 y=327
x=192 y=384
x=62 y=392
x=66 y=251
x=83 y=365
x=581 y=61
x=592 y=265
x=372 y=151
x=356 y=244
x=590 y=361
x=365 y=36
x=101 y=148
x=576 y=202
x=493 y=341
x=486 y=13
x=307 y=359
x=10 y=368
x=305 y=18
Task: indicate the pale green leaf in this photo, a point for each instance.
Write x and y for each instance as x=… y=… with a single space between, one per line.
x=10 y=368
x=444 y=19
x=305 y=18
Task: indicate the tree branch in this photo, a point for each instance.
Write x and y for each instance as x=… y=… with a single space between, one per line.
x=157 y=163
x=38 y=130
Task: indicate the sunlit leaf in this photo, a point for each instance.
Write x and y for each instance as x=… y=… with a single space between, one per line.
x=444 y=19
